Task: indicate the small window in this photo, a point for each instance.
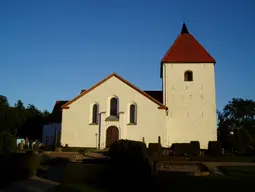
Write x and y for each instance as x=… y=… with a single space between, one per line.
x=132 y=113
x=114 y=107
x=95 y=113
x=188 y=76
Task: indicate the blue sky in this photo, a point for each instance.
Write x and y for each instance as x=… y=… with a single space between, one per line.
x=50 y=50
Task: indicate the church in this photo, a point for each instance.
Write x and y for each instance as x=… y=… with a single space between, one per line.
x=114 y=108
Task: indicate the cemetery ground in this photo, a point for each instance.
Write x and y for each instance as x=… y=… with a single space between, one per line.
x=72 y=171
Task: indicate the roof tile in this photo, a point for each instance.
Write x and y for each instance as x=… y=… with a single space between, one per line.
x=186 y=49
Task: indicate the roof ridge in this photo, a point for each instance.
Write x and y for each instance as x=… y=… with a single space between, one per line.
x=161 y=106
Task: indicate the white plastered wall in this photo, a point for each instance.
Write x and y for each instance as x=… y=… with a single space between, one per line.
x=76 y=130
x=191 y=105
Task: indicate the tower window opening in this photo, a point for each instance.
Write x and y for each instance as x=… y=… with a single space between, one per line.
x=188 y=76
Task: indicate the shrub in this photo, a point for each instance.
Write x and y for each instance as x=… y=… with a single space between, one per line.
x=7 y=143
x=166 y=152
x=154 y=149
x=194 y=148
x=24 y=165
x=244 y=143
x=128 y=150
x=129 y=161
x=181 y=149
x=184 y=149
x=214 y=148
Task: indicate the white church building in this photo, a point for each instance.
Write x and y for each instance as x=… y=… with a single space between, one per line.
x=114 y=108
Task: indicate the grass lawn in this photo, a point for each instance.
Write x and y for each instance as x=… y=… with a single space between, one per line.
x=75 y=188
x=207 y=183
x=239 y=171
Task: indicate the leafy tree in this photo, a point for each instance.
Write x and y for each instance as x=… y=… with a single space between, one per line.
x=20 y=121
x=45 y=113
x=244 y=142
x=236 y=124
x=4 y=101
x=4 y=105
x=19 y=105
x=240 y=113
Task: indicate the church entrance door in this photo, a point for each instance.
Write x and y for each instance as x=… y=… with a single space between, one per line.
x=112 y=135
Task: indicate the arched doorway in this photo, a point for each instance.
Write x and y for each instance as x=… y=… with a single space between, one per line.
x=112 y=135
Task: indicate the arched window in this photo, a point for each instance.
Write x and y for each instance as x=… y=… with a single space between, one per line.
x=188 y=76
x=114 y=107
x=95 y=113
x=132 y=114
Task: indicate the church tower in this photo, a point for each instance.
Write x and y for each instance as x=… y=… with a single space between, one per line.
x=187 y=72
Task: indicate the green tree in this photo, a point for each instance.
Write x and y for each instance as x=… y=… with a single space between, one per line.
x=45 y=113
x=19 y=105
x=19 y=114
x=19 y=120
x=6 y=116
x=4 y=101
x=236 y=122
x=4 y=105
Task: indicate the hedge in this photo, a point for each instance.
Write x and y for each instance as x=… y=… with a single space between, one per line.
x=128 y=150
x=192 y=148
x=129 y=162
x=28 y=163
x=214 y=148
x=154 y=149
x=20 y=165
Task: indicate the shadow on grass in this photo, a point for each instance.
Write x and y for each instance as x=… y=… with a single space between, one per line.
x=99 y=173
x=52 y=168
x=76 y=188
x=169 y=182
x=244 y=172
x=53 y=161
x=31 y=184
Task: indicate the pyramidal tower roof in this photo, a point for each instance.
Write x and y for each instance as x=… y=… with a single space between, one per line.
x=186 y=49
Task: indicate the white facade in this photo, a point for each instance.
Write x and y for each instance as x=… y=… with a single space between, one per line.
x=192 y=104
x=77 y=130
x=187 y=112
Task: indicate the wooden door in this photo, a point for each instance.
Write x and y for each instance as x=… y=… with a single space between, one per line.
x=112 y=135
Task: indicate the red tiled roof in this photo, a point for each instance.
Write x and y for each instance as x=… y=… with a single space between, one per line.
x=186 y=49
